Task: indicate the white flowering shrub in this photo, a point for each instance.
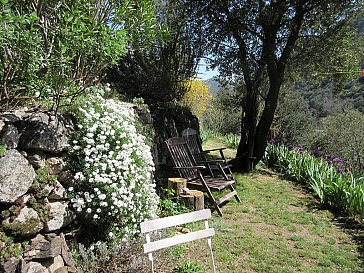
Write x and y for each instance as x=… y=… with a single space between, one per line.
x=113 y=169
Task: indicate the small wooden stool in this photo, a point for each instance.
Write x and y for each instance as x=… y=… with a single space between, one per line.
x=177 y=184
x=193 y=199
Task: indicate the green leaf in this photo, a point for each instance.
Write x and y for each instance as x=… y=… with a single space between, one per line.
x=34 y=16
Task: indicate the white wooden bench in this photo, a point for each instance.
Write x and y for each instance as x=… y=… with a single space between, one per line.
x=166 y=222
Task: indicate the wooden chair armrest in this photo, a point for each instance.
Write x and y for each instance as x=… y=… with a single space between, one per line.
x=215 y=161
x=211 y=150
x=199 y=153
x=191 y=167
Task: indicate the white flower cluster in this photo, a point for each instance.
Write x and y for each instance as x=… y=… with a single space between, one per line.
x=114 y=185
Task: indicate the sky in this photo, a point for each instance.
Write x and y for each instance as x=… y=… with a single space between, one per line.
x=202 y=74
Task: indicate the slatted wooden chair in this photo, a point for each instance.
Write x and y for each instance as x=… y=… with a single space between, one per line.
x=194 y=143
x=187 y=168
x=153 y=225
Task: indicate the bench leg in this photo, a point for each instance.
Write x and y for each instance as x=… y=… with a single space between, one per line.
x=212 y=255
x=150 y=255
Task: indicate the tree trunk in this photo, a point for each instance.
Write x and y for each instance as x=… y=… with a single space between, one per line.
x=254 y=135
x=249 y=118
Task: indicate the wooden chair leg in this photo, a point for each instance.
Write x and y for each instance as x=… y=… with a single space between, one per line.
x=209 y=193
x=236 y=195
x=222 y=171
x=212 y=198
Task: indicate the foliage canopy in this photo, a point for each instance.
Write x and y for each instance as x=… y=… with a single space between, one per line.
x=53 y=50
x=256 y=41
x=157 y=73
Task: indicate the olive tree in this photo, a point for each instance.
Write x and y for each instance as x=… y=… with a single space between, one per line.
x=256 y=41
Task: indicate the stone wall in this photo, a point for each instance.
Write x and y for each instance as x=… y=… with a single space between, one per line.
x=168 y=123
x=33 y=198
x=33 y=181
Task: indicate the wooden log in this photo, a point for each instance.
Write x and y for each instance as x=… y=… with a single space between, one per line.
x=193 y=199
x=199 y=199
x=177 y=184
x=188 y=201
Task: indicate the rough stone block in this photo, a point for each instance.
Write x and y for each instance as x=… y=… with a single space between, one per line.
x=10 y=265
x=10 y=136
x=34 y=267
x=16 y=176
x=60 y=216
x=45 y=132
x=26 y=224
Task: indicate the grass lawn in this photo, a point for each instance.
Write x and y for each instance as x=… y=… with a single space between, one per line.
x=219 y=143
x=278 y=227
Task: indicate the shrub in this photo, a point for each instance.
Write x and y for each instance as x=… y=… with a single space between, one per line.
x=2 y=150
x=189 y=267
x=197 y=97
x=224 y=112
x=52 y=50
x=221 y=119
x=114 y=186
x=8 y=248
x=169 y=204
x=294 y=122
x=344 y=138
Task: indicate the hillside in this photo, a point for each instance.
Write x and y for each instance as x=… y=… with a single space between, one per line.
x=213 y=85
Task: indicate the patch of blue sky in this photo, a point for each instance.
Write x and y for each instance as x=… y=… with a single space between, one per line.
x=204 y=72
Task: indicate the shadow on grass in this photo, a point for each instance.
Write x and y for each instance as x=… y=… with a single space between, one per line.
x=354 y=229
x=265 y=172
x=350 y=226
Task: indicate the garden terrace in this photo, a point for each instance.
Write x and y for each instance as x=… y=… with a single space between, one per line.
x=279 y=227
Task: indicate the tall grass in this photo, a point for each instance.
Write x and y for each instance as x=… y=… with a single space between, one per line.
x=341 y=191
x=232 y=140
x=208 y=134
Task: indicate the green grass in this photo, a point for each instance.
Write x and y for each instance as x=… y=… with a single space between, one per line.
x=219 y=142
x=277 y=228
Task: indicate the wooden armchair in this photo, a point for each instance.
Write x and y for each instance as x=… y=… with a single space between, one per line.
x=187 y=168
x=194 y=143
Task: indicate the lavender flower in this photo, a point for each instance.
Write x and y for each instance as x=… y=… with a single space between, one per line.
x=337 y=160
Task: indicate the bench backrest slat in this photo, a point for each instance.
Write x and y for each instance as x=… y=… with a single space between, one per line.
x=179 y=239
x=175 y=220
x=166 y=222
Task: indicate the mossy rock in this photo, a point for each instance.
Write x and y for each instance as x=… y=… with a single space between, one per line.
x=25 y=225
x=9 y=249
